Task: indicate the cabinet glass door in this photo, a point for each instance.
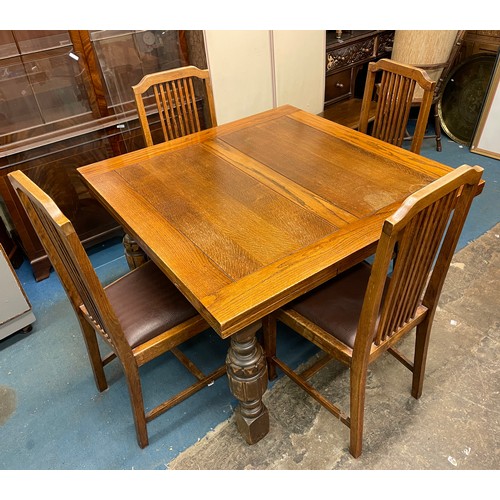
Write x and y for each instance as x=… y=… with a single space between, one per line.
x=126 y=56
x=41 y=80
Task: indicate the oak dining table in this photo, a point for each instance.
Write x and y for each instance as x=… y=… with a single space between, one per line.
x=249 y=215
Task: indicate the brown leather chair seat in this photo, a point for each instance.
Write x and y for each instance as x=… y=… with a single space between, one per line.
x=159 y=306
x=345 y=294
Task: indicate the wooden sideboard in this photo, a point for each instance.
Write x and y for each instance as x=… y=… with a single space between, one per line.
x=347 y=54
x=66 y=101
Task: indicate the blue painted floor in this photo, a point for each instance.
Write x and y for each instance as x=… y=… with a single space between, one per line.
x=485 y=211
x=58 y=420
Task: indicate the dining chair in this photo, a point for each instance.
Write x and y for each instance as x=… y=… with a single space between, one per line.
x=365 y=311
x=140 y=316
x=394 y=95
x=384 y=110
x=176 y=102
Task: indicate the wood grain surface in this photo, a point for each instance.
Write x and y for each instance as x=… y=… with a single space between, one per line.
x=248 y=215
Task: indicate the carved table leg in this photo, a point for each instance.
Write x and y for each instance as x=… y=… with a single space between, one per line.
x=133 y=252
x=247 y=374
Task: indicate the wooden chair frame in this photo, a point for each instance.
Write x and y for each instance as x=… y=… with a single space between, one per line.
x=426 y=229
x=175 y=100
x=95 y=313
x=394 y=95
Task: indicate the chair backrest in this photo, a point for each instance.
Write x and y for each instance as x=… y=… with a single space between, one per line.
x=175 y=101
x=69 y=258
x=394 y=95
x=425 y=231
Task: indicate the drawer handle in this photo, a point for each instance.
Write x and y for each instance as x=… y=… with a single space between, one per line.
x=339 y=85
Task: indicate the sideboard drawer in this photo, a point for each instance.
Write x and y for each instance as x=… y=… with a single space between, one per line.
x=357 y=53
x=338 y=85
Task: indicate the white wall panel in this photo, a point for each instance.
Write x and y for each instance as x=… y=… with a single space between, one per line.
x=255 y=70
x=486 y=140
x=299 y=59
x=240 y=69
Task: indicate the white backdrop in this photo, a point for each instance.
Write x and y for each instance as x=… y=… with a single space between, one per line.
x=487 y=138
x=256 y=70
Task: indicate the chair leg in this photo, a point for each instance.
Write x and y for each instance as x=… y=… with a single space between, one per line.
x=137 y=402
x=90 y=338
x=357 y=408
x=269 y=331
x=437 y=128
x=423 y=334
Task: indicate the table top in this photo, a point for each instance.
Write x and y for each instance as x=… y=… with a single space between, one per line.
x=249 y=215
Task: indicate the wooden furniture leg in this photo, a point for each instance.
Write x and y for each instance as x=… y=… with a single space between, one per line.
x=437 y=128
x=247 y=374
x=134 y=254
x=420 y=357
x=269 y=325
x=92 y=345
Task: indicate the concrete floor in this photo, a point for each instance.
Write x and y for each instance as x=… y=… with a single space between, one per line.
x=454 y=425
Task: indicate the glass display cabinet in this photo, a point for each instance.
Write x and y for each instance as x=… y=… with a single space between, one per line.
x=66 y=101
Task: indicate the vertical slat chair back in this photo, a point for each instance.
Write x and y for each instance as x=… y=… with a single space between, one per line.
x=426 y=231
x=67 y=255
x=175 y=98
x=176 y=102
x=394 y=94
